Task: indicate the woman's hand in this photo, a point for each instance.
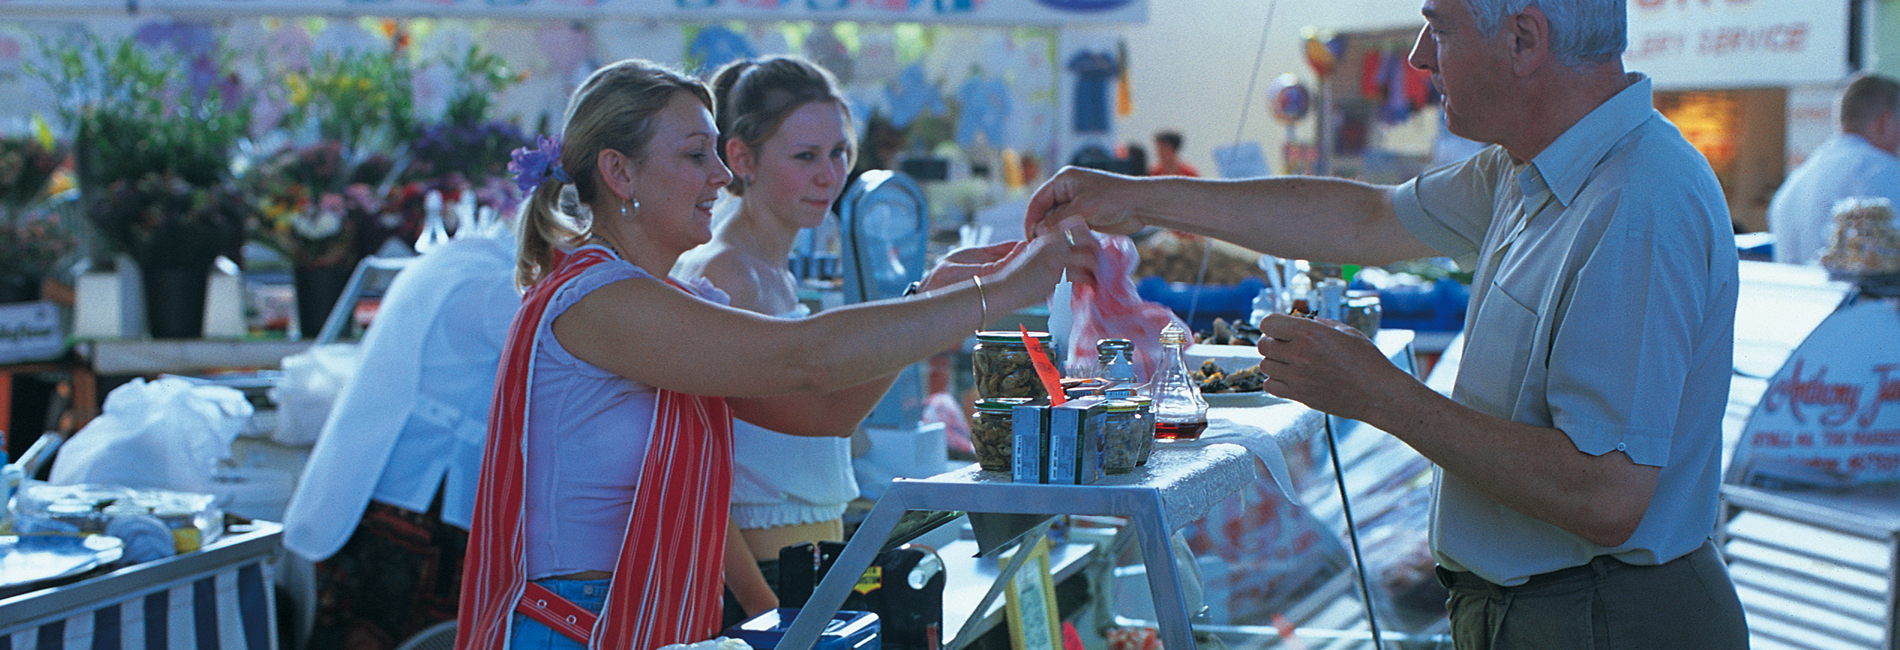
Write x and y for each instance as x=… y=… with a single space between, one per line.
x=963 y=263
x=1100 y=198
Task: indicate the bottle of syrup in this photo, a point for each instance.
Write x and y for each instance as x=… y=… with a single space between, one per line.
x=1179 y=411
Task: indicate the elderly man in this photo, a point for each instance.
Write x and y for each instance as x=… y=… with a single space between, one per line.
x=1579 y=453
x=1857 y=162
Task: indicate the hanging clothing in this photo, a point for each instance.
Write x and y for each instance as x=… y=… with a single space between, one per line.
x=1093 y=71
x=668 y=574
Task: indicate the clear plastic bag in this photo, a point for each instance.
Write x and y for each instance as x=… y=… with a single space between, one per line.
x=168 y=434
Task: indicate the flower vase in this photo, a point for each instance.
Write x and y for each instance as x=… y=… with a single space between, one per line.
x=318 y=288
x=175 y=300
x=20 y=287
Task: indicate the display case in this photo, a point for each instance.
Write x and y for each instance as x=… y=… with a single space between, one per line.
x=215 y=597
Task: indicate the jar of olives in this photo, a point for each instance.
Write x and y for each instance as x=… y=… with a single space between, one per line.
x=992 y=432
x=1003 y=367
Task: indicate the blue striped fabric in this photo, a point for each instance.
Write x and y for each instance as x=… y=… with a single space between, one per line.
x=230 y=610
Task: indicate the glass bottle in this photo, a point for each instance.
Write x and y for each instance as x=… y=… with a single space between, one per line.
x=434 y=231
x=1180 y=412
x=1115 y=363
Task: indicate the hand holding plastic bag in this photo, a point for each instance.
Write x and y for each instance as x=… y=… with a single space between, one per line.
x=167 y=434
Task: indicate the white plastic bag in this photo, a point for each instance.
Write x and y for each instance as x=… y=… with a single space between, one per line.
x=167 y=434
x=311 y=383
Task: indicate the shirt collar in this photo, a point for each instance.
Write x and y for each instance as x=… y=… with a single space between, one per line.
x=1567 y=162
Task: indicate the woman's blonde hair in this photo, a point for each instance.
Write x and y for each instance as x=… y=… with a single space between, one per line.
x=756 y=95
x=615 y=108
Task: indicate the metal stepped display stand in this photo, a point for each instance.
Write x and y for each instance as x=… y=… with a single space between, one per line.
x=1178 y=485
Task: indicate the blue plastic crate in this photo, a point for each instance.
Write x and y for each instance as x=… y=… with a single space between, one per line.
x=1232 y=302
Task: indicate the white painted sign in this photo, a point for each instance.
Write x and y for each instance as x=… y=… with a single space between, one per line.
x=1831 y=416
x=30 y=331
x=1710 y=44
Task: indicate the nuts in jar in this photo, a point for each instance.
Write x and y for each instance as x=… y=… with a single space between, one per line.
x=1003 y=367
x=992 y=432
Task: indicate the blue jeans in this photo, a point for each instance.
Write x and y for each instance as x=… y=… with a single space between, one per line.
x=532 y=635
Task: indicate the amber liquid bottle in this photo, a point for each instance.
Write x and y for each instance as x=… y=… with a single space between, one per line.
x=1180 y=412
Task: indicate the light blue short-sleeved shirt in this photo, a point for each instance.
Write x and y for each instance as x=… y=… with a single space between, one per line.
x=1603 y=304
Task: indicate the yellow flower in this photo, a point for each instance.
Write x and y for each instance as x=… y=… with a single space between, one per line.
x=299 y=89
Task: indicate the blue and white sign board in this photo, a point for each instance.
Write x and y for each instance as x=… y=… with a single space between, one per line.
x=30 y=331
x=1000 y=12
x=1831 y=415
x=1737 y=43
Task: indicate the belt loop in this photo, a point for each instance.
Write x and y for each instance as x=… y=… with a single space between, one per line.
x=1600 y=567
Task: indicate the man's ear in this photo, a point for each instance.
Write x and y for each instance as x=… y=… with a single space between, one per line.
x=1529 y=31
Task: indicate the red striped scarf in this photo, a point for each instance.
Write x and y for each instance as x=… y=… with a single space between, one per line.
x=668 y=580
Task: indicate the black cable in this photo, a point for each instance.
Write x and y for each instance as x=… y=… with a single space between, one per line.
x=1352 y=534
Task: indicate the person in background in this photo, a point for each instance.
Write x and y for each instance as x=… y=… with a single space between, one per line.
x=1579 y=453
x=786 y=134
x=1858 y=161
x=1168 y=160
x=607 y=471
x=384 y=502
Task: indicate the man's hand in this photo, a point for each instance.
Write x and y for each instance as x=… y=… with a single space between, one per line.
x=1327 y=365
x=1098 y=197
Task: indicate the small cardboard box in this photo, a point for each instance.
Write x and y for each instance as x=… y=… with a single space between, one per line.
x=1076 y=442
x=1029 y=455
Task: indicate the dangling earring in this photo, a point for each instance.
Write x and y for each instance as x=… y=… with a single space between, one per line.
x=636 y=209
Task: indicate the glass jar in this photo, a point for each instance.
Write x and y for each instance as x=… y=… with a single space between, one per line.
x=1003 y=367
x=992 y=432
x=1144 y=427
x=1180 y=411
x=1121 y=437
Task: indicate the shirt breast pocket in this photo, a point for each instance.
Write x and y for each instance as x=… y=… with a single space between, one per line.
x=1496 y=367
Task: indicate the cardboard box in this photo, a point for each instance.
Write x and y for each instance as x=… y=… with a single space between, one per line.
x=1029 y=456
x=1076 y=444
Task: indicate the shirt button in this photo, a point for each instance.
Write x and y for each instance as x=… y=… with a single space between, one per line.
x=1622 y=447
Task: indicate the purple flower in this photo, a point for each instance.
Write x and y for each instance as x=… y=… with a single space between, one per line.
x=531 y=166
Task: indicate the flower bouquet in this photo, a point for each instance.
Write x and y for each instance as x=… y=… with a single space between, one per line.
x=154 y=132
x=320 y=205
x=465 y=152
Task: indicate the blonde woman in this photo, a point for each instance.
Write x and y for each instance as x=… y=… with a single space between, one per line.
x=605 y=485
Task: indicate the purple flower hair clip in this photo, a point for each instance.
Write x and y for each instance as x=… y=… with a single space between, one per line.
x=532 y=166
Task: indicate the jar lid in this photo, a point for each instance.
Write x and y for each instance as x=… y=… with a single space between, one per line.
x=1121 y=406
x=1006 y=336
x=1002 y=403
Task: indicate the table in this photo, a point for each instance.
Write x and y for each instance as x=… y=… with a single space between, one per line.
x=1177 y=486
x=217 y=597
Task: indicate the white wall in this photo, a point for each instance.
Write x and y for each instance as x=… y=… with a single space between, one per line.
x=1194 y=60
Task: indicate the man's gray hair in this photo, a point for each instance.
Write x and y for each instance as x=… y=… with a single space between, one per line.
x=1581 y=31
